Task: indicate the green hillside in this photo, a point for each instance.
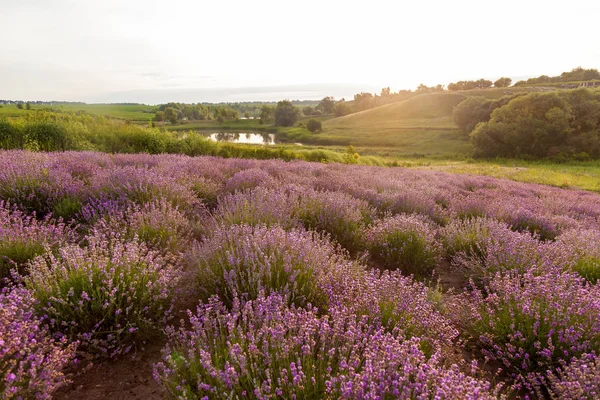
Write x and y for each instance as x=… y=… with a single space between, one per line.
x=419 y=125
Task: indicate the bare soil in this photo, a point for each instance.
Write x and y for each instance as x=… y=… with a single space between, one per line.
x=126 y=377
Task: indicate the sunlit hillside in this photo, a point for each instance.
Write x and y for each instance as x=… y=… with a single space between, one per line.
x=421 y=124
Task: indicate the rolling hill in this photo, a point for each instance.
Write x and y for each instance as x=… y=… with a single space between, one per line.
x=419 y=125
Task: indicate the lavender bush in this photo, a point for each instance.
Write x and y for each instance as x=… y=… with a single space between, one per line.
x=23 y=237
x=106 y=296
x=580 y=379
x=242 y=261
x=533 y=323
x=405 y=242
x=502 y=251
x=265 y=349
x=578 y=250
x=31 y=362
x=157 y=223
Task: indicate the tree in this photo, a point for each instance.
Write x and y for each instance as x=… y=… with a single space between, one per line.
x=285 y=113
x=326 y=105
x=246 y=115
x=314 y=126
x=542 y=125
x=454 y=87
x=28 y=106
x=342 y=108
x=20 y=106
x=159 y=116
x=483 y=83
x=503 y=82
x=363 y=101
x=385 y=92
x=171 y=115
x=266 y=114
x=308 y=110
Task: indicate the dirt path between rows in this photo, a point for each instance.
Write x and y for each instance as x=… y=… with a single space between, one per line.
x=127 y=377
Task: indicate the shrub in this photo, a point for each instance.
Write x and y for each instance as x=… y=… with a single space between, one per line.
x=502 y=252
x=265 y=349
x=240 y=261
x=524 y=220
x=22 y=238
x=34 y=183
x=532 y=323
x=469 y=236
x=395 y=303
x=249 y=179
x=578 y=250
x=579 y=379
x=143 y=185
x=31 y=362
x=338 y=214
x=260 y=206
x=314 y=126
x=11 y=136
x=158 y=224
x=405 y=242
x=107 y=296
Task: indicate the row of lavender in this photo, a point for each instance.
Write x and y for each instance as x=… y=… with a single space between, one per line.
x=100 y=251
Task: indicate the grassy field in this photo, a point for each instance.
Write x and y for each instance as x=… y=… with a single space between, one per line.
x=134 y=113
x=573 y=175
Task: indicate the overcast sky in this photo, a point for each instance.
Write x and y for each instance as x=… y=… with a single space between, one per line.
x=240 y=50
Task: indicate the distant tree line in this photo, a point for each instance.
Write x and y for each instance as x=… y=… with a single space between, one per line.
x=575 y=75
x=559 y=125
x=479 y=84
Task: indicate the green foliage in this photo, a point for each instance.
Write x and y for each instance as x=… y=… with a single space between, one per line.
x=589 y=268
x=342 y=108
x=575 y=75
x=67 y=208
x=542 y=125
x=502 y=82
x=171 y=115
x=11 y=136
x=314 y=126
x=14 y=254
x=266 y=113
x=476 y=109
x=326 y=105
x=469 y=85
x=351 y=156
x=286 y=114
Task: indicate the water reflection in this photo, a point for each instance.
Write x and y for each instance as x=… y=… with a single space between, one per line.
x=248 y=138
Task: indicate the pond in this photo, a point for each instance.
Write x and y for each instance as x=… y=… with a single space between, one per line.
x=248 y=138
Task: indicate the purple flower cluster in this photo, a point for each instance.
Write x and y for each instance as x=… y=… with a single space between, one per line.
x=534 y=322
x=266 y=349
x=157 y=223
x=241 y=261
x=31 y=362
x=22 y=237
x=580 y=379
x=105 y=295
x=405 y=242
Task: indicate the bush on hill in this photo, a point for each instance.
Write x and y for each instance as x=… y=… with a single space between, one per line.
x=543 y=125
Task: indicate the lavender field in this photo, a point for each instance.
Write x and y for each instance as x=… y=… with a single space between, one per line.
x=272 y=279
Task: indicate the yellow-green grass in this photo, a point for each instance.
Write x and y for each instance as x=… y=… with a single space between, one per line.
x=574 y=175
x=134 y=113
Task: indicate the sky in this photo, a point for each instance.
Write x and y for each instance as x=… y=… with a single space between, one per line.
x=242 y=50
